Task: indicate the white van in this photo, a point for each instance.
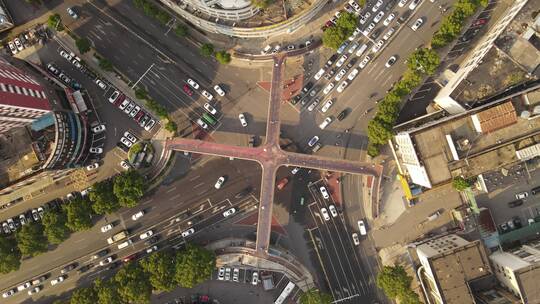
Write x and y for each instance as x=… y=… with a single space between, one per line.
x=266 y=49
x=125 y=244
x=319 y=74
x=362 y=227
x=361 y=50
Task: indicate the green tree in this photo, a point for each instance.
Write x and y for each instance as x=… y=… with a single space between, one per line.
x=362 y=3
x=171 y=126
x=409 y=297
x=10 y=256
x=373 y=149
x=161 y=269
x=347 y=22
x=379 y=132
x=262 y=4
x=83 y=45
x=314 y=296
x=424 y=60
x=333 y=37
x=105 y=65
x=141 y=93
x=107 y=292
x=223 y=57
x=194 y=265
x=79 y=214
x=132 y=284
x=181 y=30
x=54 y=226
x=394 y=280
x=467 y=7
x=84 y=295
x=459 y=183
x=34 y=2
x=103 y=199
x=55 y=22
x=31 y=240
x=129 y=187
x=207 y=49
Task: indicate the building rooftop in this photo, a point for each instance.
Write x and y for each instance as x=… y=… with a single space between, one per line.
x=17 y=155
x=489 y=137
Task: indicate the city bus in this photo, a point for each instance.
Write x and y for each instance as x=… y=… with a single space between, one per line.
x=209 y=119
x=285 y=293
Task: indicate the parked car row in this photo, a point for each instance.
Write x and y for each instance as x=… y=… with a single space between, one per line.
x=269 y=49
x=58 y=73
x=33 y=215
x=233 y=274
x=133 y=110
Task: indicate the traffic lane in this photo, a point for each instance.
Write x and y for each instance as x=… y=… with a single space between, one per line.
x=82 y=242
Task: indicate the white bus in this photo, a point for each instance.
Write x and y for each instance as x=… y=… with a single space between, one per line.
x=285 y=293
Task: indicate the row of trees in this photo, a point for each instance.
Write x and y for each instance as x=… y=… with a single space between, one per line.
x=34 y=238
x=207 y=50
x=422 y=62
x=157 y=108
x=452 y=24
x=315 y=296
x=160 y=271
x=335 y=35
x=396 y=283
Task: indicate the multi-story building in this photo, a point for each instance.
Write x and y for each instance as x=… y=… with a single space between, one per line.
x=22 y=98
x=518 y=271
x=449 y=264
x=5 y=19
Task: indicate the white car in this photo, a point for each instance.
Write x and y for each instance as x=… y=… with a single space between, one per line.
x=229 y=212
x=356 y=239
x=368 y=29
x=130 y=136
x=364 y=62
x=137 y=215
x=106 y=261
x=219 y=90
x=58 y=280
x=188 y=232
x=72 y=13
x=243 y=120
x=236 y=274
x=124 y=104
x=325 y=215
x=389 y=19
x=92 y=166
x=327 y=105
x=402 y=3
x=193 y=84
x=333 y=210
x=325 y=123
x=417 y=24
x=34 y=290
x=220 y=182
x=125 y=165
x=362 y=227
x=355 y=5
x=295 y=170
x=414 y=4
x=342 y=86
x=364 y=18
x=134 y=111
x=77 y=63
x=313 y=105
x=353 y=47
x=126 y=142
x=324 y=192
x=107 y=227
x=24 y=286
x=114 y=96
x=18 y=43
x=101 y=84
x=66 y=55
x=98 y=129
x=147 y=234
x=202 y=124
x=388 y=34
x=353 y=74
x=377 y=6
x=319 y=74
x=96 y=150
x=210 y=109
x=377 y=46
x=378 y=17
x=391 y=61
x=255 y=278
x=329 y=88
x=341 y=61
x=53 y=69
x=207 y=95
x=313 y=141
x=221 y=274
x=340 y=74
x=522 y=195
x=13 y=48
x=152 y=249
x=9 y=293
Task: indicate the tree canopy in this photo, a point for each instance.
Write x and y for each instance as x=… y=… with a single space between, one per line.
x=223 y=57
x=54 y=225
x=106 y=292
x=161 y=269
x=194 y=265
x=103 y=199
x=129 y=187
x=83 y=45
x=207 y=49
x=10 y=256
x=459 y=183
x=84 y=295
x=396 y=283
x=31 y=240
x=55 y=22
x=335 y=35
x=79 y=214
x=133 y=284
x=424 y=60
x=314 y=296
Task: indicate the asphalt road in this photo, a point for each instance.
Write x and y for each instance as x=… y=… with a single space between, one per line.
x=189 y=192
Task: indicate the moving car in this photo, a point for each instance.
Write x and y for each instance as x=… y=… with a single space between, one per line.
x=391 y=61
x=229 y=212
x=243 y=120
x=324 y=192
x=35 y=290
x=188 y=232
x=342 y=115
x=147 y=234
x=325 y=215
x=152 y=249
x=9 y=293
x=137 y=215
x=24 y=286
x=417 y=24
x=220 y=182
x=68 y=268
x=106 y=261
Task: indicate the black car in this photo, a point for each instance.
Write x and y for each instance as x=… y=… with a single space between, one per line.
x=515 y=203
x=307 y=87
x=114 y=265
x=69 y=268
x=342 y=115
x=331 y=61
x=100 y=254
x=535 y=191
x=85 y=268
x=351 y=63
x=152 y=240
x=517 y=222
x=296 y=99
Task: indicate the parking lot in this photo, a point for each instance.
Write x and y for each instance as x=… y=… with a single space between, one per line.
x=346 y=276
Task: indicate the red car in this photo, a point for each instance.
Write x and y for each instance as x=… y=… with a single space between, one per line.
x=479 y=22
x=129 y=258
x=187 y=90
x=282 y=183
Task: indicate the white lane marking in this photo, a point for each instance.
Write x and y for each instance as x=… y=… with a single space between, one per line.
x=171 y=189
x=198 y=185
x=174 y=197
